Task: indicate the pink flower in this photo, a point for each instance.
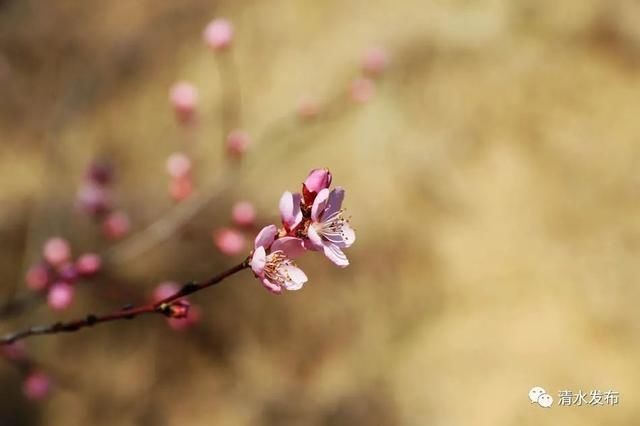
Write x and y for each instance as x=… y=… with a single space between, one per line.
x=243 y=213
x=329 y=230
x=184 y=99
x=290 y=210
x=36 y=386
x=375 y=61
x=88 y=264
x=229 y=241
x=317 y=180
x=218 y=34
x=60 y=296
x=276 y=269
x=56 y=251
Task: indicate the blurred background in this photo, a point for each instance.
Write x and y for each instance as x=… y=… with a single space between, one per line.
x=491 y=175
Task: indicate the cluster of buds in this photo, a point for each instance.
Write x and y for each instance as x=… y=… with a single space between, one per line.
x=181 y=314
x=312 y=220
x=94 y=198
x=374 y=62
x=231 y=241
x=57 y=272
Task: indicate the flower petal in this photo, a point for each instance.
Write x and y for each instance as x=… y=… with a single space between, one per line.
x=334 y=204
x=291 y=246
x=348 y=236
x=295 y=277
x=290 y=209
x=335 y=255
x=258 y=260
x=314 y=238
x=272 y=287
x=266 y=236
x=319 y=204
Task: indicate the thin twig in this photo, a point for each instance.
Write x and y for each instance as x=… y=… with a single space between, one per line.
x=162 y=307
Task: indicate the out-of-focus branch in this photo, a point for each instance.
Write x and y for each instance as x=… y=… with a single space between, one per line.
x=163 y=307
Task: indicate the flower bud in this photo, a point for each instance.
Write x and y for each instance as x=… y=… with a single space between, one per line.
x=243 y=213
x=56 y=251
x=38 y=276
x=60 y=296
x=36 y=386
x=88 y=264
x=116 y=225
x=68 y=273
x=180 y=188
x=229 y=241
x=178 y=309
x=93 y=199
x=237 y=143
x=218 y=34
x=362 y=90
x=183 y=96
x=178 y=165
x=317 y=180
x=180 y=324
x=375 y=61
x=100 y=172
x=164 y=290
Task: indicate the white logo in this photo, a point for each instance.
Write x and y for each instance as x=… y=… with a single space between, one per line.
x=539 y=396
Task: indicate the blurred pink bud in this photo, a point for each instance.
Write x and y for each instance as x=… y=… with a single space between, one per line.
x=317 y=180
x=308 y=108
x=164 y=290
x=15 y=351
x=237 y=142
x=178 y=165
x=60 y=296
x=229 y=241
x=375 y=61
x=100 y=172
x=116 y=225
x=94 y=199
x=362 y=90
x=36 y=386
x=184 y=99
x=243 y=213
x=193 y=317
x=178 y=309
x=68 y=273
x=37 y=277
x=218 y=34
x=88 y=264
x=56 y=251
x=180 y=188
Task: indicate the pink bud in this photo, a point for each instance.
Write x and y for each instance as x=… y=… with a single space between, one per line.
x=375 y=61
x=237 y=142
x=116 y=225
x=94 y=199
x=164 y=290
x=229 y=241
x=56 y=251
x=218 y=34
x=184 y=99
x=178 y=309
x=243 y=213
x=88 y=264
x=180 y=188
x=193 y=317
x=36 y=386
x=100 y=172
x=317 y=180
x=15 y=351
x=68 y=273
x=60 y=296
x=362 y=90
x=308 y=108
x=178 y=165
x=37 y=277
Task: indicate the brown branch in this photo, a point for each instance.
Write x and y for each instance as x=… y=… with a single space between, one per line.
x=162 y=307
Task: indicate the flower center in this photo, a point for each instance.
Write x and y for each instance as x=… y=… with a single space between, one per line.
x=332 y=227
x=274 y=269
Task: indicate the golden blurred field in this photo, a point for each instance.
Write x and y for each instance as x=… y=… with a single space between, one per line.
x=492 y=180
